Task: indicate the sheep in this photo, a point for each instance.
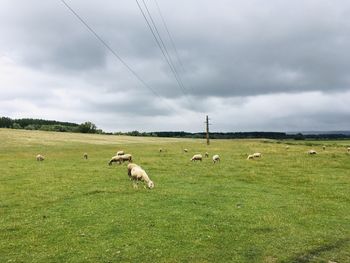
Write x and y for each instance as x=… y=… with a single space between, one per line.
x=312 y=152
x=250 y=157
x=138 y=174
x=126 y=157
x=196 y=157
x=185 y=150
x=160 y=150
x=348 y=149
x=130 y=166
x=216 y=158
x=40 y=158
x=287 y=147
x=116 y=159
x=120 y=153
x=324 y=147
x=85 y=156
x=257 y=155
x=206 y=155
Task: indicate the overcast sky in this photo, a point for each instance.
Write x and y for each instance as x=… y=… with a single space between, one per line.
x=251 y=65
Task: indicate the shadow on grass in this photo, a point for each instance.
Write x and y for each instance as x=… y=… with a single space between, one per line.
x=307 y=256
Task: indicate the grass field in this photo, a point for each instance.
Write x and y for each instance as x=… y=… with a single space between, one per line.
x=285 y=207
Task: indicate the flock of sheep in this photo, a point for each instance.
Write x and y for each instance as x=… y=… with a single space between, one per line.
x=137 y=174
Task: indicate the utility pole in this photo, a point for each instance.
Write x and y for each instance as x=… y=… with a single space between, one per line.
x=207 y=129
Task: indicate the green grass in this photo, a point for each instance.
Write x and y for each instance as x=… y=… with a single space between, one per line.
x=286 y=207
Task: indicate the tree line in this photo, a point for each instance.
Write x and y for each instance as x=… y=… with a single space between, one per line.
x=89 y=127
x=48 y=125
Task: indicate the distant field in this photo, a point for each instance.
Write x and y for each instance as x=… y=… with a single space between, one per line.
x=285 y=207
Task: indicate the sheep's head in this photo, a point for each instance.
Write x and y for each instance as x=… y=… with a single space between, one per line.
x=150 y=185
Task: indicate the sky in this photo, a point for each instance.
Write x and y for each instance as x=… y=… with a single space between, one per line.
x=252 y=65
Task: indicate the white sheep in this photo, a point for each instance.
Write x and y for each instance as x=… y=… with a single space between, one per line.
x=116 y=159
x=130 y=166
x=312 y=152
x=126 y=157
x=138 y=174
x=197 y=157
x=216 y=158
x=40 y=158
x=160 y=150
x=206 y=155
x=250 y=157
x=287 y=147
x=120 y=153
x=257 y=155
x=324 y=147
x=185 y=150
x=348 y=149
x=85 y=156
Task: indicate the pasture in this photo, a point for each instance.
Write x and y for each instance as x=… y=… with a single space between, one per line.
x=285 y=207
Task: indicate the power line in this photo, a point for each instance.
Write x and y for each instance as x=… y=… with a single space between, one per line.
x=113 y=52
x=160 y=43
x=170 y=37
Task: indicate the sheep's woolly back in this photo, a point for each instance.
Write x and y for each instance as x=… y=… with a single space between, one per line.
x=196 y=157
x=126 y=157
x=257 y=155
x=39 y=157
x=138 y=174
x=312 y=152
x=216 y=158
x=130 y=166
x=115 y=159
x=120 y=153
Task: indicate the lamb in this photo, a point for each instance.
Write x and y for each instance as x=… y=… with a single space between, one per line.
x=206 y=155
x=324 y=147
x=250 y=157
x=120 y=153
x=115 y=159
x=216 y=158
x=40 y=158
x=85 y=156
x=130 y=166
x=257 y=155
x=185 y=150
x=138 y=174
x=196 y=157
x=312 y=152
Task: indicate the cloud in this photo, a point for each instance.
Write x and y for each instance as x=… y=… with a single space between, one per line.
x=282 y=65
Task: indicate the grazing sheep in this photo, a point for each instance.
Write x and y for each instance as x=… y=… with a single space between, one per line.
x=185 y=150
x=216 y=158
x=312 y=152
x=85 y=156
x=116 y=159
x=250 y=157
x=197 y=157
x=257 y=155
x=348 y=149
x=126 y=157
x=130 y=166
x=324 y=147
x=120 y=153
x=40 y=158
x=206 y=155
x=138 y=174
x=160 y=150
x=287 y=147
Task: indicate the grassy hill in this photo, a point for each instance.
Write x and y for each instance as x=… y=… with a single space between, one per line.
x=285 y=207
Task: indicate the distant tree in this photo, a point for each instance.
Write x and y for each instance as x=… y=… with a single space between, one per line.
x=15 y=125
x=87 y=127
x=5 y=122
